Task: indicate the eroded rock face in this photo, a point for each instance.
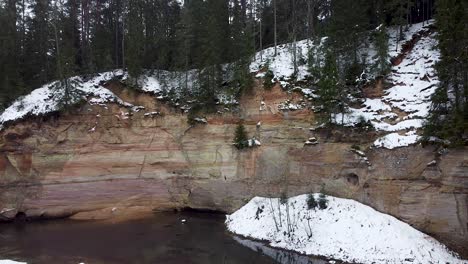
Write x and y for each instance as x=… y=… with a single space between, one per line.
x=100 y=161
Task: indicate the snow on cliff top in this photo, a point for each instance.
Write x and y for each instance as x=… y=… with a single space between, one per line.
x=398 y=114
x=6 y=261
x=345 y=230
x=47 y=98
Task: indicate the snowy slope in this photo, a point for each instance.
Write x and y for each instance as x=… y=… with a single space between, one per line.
x=346 y=230
x=403 y=108
x=10 y=262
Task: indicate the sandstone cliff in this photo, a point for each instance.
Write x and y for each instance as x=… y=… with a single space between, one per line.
x=102 y=161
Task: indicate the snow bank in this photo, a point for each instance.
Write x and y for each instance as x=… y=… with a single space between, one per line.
x=345 y=230
x=11 y=262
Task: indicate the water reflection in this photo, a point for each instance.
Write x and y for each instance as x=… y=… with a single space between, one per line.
x=164 y=238
x=280 y=256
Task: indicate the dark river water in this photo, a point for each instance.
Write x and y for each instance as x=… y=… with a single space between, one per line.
x=163 y=238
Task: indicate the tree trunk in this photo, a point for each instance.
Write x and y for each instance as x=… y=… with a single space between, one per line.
x=123 y=37
x=261 y=39
x=274 y=27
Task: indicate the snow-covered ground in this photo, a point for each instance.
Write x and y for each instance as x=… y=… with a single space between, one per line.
x=178 y=85
x=6 y=261
x=164 y=81
x=282 y=65
x=403 y=108
x=346 y=230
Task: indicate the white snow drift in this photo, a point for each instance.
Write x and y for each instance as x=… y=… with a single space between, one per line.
x=346 y=230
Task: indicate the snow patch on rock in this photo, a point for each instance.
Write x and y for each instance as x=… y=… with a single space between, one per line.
x=395 y=140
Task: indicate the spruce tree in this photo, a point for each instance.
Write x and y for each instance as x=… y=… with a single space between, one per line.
x=240 y=137
x=381 y=44
x=135 y=40
x=328 y=87
x=242 y=45
x=399 y=13
x=448 y=118
x=102 y=36
x=65 y=56
x=10 y=77
x=39 y=66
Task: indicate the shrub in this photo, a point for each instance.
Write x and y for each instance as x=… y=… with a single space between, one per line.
x=311 y=202
x=322 y=201
x=197 y=111
x=352 y=72
x=283 y=198
x=302 y=61
x=355 y=147
x=192 y=114
x=365 y=124
x=259 y=212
